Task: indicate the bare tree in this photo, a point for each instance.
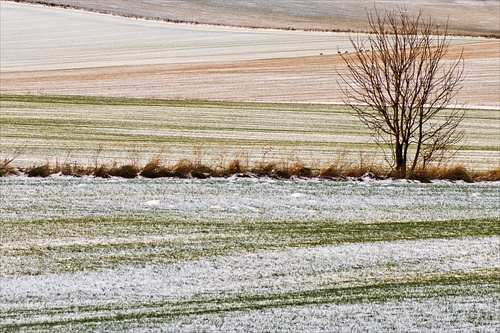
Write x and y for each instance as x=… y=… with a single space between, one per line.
x=399 y=85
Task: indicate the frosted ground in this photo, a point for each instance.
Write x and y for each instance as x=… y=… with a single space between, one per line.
x=464 y=16
x=54 y=51
x=249 y=255
x=97 y=40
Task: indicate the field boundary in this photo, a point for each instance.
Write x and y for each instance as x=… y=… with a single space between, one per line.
x=188 y=169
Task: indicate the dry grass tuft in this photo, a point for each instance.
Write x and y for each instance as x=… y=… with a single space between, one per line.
x=39 y=171
x=233 y=168
x=201 y=171
x=281 y=174
x=125 y=171
x=74 y=169
x=330 y=171
x=422 y=175
x=101 y=171
x=183 y=168
x=492 y=175
x=454 y=173
x=357 y=171
x=265 y=169
x=273 y=170
x=154 y=170
x=300 y=170
x=6 y=170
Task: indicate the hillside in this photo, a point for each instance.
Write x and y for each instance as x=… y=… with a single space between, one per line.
x=471 y=17
x=81 y=53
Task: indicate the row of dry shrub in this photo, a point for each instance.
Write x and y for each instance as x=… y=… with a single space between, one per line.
x=188 y=169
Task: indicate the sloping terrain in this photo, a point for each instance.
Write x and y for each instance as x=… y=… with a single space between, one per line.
x=472 y=17
x=58 y=51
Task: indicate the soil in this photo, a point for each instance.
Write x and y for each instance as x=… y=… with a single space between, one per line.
x=213 y=63
x=296 y=79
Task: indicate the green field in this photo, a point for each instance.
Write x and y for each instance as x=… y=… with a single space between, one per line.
x=86 y=130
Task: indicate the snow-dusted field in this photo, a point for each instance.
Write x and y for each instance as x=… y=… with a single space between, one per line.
x=240 y=199
x=32 y=39
x=238 y=254
x=248 y=255
x=67 y=52
x=463 y=16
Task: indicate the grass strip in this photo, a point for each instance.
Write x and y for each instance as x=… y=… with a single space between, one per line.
x=196 y=239
x=129 y=101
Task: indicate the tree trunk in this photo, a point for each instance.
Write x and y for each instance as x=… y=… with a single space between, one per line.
x=419 y=141
x=400 y=160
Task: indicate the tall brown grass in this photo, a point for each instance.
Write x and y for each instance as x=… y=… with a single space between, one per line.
x=453 y=173
x=40 y=171
x=7 y=170
x=153 y=169
x=124 y=171
x=491 y=175
x=337 y=169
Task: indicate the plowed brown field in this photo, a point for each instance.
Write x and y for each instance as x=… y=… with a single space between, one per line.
x=296 y=79
x=56 y=51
